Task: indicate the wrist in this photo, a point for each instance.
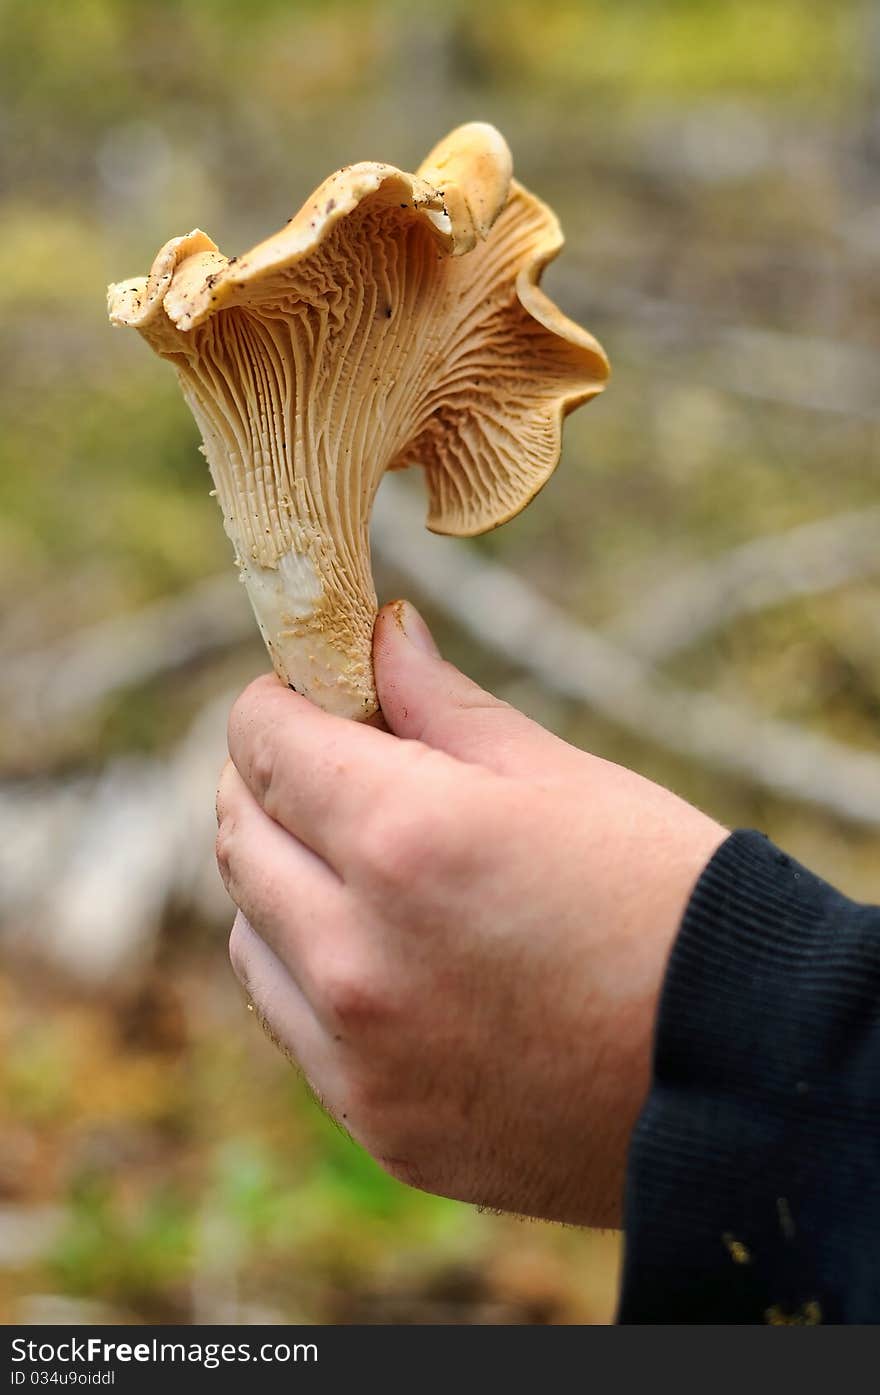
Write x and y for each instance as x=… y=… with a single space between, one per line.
x=666 y=883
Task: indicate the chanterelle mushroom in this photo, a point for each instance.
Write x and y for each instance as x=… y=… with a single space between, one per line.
x=395 y=321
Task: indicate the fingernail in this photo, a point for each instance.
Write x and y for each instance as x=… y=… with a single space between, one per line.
x=414 y=628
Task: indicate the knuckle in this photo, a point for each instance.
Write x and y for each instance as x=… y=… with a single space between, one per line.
x=353 y=998
x=223 y=849
x=238 y=951
x=352 y=992
x=263 y=766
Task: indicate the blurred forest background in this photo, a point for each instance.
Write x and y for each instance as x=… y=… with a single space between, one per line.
x=694 y=593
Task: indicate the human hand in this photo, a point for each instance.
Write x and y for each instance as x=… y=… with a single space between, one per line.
x=458 y=928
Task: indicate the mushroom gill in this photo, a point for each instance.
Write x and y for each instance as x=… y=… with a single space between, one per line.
x=396 y=320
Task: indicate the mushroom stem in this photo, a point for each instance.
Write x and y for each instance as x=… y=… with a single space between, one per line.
x=306 y=571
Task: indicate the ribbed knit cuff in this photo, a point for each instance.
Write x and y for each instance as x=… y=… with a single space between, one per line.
x=753 y=1188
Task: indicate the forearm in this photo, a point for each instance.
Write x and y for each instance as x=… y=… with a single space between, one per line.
x=752 y=1187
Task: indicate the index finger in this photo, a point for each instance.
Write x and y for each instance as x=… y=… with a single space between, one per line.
x=315 y=774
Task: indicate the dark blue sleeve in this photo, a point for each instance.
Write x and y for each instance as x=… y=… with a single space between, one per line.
x=753 y=1186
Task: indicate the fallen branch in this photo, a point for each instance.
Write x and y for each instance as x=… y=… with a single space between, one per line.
x=78 y=673
x=510 y=619
x=809 y=372
x=817 y=557
x=89 y=865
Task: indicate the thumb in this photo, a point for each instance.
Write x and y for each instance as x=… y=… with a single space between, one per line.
x=424 y=698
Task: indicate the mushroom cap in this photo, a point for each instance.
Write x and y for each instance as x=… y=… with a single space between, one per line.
x=396 y=320
x=494 y=436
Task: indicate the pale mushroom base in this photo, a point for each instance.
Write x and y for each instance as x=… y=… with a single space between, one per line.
x=289 y=601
